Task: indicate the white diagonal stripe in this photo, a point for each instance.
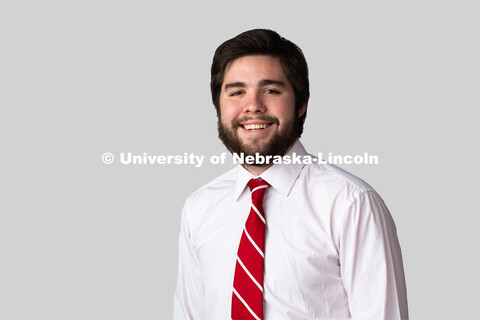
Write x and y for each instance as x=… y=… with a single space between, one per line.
x=245 y=304
x=258 y=212
x=260 y=187
x=249 y=274
x=253 y=243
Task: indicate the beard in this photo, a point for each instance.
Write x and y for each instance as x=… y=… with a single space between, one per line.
x=277 y=145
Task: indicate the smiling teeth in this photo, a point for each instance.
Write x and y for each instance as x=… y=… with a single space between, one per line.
x=255 y=126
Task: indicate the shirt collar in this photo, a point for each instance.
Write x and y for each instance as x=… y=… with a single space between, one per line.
x=282 y=177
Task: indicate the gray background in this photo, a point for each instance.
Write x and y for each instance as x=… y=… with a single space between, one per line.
x=85 y=240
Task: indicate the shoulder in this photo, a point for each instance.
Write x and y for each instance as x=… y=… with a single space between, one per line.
x=339 y=186
x=350 y=201
x=215 y=187
x=211 y=193
x=336 y=176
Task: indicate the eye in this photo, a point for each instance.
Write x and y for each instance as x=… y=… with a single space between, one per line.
x=236 y=93
x=272 y=91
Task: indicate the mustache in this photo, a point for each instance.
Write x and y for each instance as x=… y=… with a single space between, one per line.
x=236 y=122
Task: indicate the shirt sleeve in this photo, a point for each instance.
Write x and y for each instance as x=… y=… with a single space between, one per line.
x=371 y=261
x=188 y=298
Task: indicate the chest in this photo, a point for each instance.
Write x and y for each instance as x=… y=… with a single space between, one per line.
x=300 y=246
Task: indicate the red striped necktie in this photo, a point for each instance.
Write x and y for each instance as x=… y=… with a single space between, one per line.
x=247 y=297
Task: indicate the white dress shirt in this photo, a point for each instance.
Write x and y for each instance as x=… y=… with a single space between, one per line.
x=331 y=248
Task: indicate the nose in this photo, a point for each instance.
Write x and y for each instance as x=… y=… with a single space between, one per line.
x=254 y=104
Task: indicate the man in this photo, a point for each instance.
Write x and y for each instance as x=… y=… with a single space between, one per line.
x=282 y=241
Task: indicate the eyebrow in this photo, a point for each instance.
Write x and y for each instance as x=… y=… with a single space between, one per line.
x=234 y=85
x=267 y=82
x=264 y=82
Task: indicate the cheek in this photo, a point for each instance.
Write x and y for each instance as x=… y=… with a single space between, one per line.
x=284 y=112
x=228 y=111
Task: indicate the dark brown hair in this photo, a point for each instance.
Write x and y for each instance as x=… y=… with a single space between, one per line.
x=263 y=42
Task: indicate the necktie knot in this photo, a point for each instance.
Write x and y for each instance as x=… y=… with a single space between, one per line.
x=258 y=188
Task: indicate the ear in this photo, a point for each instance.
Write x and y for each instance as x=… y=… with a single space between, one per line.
x=302 y=110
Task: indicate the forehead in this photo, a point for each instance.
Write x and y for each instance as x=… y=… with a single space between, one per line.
x=254 y=68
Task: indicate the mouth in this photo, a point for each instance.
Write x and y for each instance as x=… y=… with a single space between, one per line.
x=255 y=126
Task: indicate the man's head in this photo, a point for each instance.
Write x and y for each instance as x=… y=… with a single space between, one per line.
x=260 y=89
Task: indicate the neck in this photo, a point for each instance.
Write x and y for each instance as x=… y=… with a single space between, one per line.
x=256 y=170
